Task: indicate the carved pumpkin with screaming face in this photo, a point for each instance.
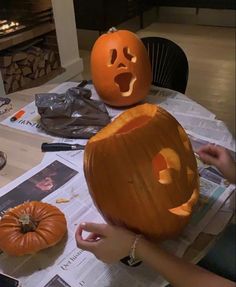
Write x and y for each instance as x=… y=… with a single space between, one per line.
x=142 y=173
x=120 y=67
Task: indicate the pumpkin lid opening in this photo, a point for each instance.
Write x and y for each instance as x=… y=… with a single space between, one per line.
x=129 y=120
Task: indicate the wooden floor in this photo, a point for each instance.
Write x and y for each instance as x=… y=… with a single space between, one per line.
x=211 y=55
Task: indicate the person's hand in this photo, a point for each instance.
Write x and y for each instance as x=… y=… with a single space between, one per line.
x=220 y=158
x=108 y=243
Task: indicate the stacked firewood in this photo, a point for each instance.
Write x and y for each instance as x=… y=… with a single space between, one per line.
x=20 y=68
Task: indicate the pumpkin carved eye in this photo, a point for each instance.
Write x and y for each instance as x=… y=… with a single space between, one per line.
x=164 y=163
x=128 y=55
x=113 y=57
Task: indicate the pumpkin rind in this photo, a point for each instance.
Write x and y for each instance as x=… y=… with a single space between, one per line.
x=130 y=182
x=120 y=68
x=50 y=228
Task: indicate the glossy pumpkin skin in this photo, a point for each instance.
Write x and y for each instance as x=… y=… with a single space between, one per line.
x=50 y=227
x=142 y=173
x=120 y=68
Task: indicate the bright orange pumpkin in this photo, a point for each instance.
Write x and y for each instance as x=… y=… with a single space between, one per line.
x=120 y=67
x=31 y=227
x=142 y=173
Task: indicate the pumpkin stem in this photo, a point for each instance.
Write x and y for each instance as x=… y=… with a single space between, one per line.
x=112 y=30
x=27 y=223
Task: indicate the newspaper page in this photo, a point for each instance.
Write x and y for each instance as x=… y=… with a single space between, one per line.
x=172 y=101
x=65 y=263
x=30 y=121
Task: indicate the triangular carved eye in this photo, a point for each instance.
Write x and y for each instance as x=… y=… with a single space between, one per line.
x=128 y=55
x=112 y=57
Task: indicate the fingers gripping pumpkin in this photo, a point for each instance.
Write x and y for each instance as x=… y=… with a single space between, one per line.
x=120 y=67
x=30 y=227
x=142 y=173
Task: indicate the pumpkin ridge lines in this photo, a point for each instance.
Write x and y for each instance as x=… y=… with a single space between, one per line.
x=121 y=181
x=17 y=243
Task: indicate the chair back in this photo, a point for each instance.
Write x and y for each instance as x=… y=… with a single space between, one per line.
x=169 y=63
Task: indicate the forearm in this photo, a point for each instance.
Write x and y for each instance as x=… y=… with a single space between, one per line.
x=176 y=271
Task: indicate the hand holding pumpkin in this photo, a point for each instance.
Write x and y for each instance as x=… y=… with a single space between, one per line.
x=219 y=157
x=108 y=243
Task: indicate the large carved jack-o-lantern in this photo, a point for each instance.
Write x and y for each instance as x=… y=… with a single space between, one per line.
x=142 y=173
x=120 y=67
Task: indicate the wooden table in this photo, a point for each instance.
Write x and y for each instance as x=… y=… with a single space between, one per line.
x=23 y=149
x=24 y=152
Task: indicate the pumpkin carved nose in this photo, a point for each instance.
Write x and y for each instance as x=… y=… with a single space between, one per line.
x=121 y=65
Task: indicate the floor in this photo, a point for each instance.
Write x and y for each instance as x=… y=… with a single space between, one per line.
x=211 y=55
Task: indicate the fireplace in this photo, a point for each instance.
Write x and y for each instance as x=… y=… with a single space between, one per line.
x=18 y=16
x=33 y=46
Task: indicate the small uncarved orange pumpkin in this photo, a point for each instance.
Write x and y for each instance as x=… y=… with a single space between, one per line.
x=31 y=227
x=142 y=173
x=120 y=67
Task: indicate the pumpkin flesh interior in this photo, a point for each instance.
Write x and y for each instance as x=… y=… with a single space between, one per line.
x=134 y=123
x=159 y=164
x=127 y=121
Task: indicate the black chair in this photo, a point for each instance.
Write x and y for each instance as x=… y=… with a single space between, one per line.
x=169 y=63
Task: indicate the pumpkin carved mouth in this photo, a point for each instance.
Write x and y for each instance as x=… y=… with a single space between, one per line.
x=125 y=82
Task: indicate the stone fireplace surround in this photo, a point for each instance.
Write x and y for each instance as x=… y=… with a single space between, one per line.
x=64 y=21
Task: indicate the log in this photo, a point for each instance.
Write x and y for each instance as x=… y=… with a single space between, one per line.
x=41 y=63
x=26 y=70
x=55 y=65
x=36 y=63
x=7 y=88
x=41 y=73
x=5 y=61
x=22 y=81
x=31 y=57
x=34 y=75
x=15 y=86
x=24 y=62
x=18 y=56
x=27 y=81
x=8 y=80
x=10 y=69
x=48 y=69
x=18 y=77
x=4 y=71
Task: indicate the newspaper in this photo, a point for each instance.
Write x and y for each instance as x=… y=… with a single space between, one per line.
x=67 y=265
x=30 y=121
x=170 y=100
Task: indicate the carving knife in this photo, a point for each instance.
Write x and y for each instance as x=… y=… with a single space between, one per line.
x=60 y=147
